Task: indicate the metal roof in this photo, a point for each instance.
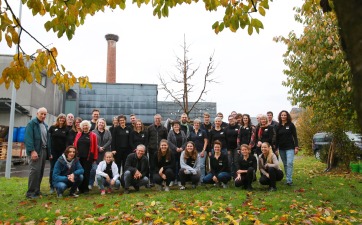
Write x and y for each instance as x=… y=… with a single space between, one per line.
x=5 y=106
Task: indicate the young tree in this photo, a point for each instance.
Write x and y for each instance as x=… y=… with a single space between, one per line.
x=319 y=76
x=182 y=84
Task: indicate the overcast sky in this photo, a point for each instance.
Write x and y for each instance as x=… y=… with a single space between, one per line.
x=249 y=68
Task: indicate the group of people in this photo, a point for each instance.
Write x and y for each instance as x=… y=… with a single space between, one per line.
x=85 y=152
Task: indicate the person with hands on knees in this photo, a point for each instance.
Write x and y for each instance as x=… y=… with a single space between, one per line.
x=220 y=170
x=136 y=170
x=246 y=165
x=107 y=174
x=269 y=167
x=164 y=162
x=67 y=173
x=190 y=166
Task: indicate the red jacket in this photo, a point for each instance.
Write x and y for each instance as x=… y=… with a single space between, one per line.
x=93 y=144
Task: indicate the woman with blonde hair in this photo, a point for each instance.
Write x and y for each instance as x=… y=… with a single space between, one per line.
x=107 y=173
x=269 y=167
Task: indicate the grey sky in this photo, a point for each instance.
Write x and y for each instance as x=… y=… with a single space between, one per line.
x=249 y=68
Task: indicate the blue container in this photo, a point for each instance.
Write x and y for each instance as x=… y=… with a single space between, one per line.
x=21 y=134
x=15 y=134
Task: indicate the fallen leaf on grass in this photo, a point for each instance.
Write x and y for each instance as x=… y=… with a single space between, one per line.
x=140 y=204
x=58 y=222
x=300 y=190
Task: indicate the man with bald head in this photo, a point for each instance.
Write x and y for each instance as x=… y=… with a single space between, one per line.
x=37 y=148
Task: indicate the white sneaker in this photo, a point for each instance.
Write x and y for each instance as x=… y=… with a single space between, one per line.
x=179 y=183
x=171 y=183
x=167 y=188
x=224 y=185
x=182 y=188
x=90 y=187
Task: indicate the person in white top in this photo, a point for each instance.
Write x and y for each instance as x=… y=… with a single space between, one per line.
x=107 y=174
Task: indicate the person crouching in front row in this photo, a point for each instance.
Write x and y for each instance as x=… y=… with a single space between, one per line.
x=220 y=170
x=190 y=166
x=136 y=170
x=164 y=162
x=68 y=172
x=269 y=167
x=246 y=165
x=107 y=174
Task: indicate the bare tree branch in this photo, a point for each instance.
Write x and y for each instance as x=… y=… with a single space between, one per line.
x=184 y=78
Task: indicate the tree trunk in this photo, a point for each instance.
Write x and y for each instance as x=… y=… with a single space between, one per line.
x=349 y=15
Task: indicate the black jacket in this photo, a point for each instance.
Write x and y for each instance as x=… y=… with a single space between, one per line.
x=166 y=164
x=286 y=136
x=155 y=135
x=219 y=165
x=133 y=164
x=120 y=138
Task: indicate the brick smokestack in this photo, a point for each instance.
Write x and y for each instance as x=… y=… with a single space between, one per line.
x=111 y=58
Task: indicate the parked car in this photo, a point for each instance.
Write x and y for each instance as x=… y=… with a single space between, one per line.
x=322 y=140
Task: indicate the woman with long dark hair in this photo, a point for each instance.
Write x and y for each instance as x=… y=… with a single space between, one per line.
x=287 y=143
x=164 y=162
x=177 y=142
x=58 y=142
x=68 y=172
x=246 y=133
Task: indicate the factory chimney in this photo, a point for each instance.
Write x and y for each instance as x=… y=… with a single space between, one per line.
x=111 y=58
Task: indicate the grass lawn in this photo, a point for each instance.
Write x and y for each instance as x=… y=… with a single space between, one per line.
x=315 y=198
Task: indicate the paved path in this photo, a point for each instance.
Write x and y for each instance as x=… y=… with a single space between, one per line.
x=21 y=170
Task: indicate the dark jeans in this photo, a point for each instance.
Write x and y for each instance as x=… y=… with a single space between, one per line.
x=246 y=178
x=87 y=166
x=223 y=177
x=151 y=163
x=178 y=165
x=274 y=176
x=127 y=180
x=232 y=158
x=62 y=186
x=194 y=178
x=170 y=176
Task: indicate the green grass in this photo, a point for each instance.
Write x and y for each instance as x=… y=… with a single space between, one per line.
x=316 y=198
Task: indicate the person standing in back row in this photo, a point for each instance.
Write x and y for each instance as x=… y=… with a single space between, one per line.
x=36 y=143
x=58 y=142
x=287 y=143
x=95 y=116
x=120 y=142
x=156 y=132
